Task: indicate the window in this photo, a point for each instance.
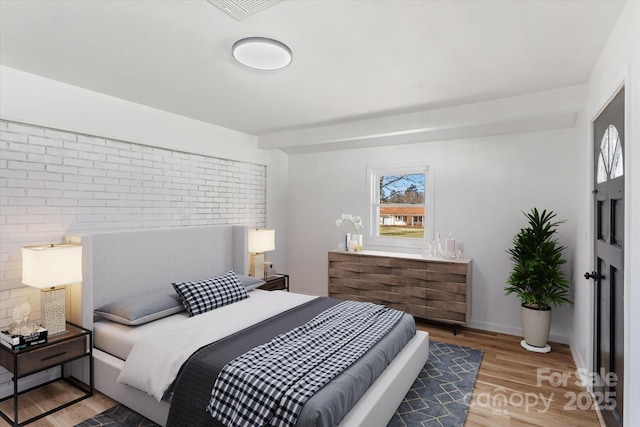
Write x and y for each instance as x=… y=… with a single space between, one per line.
x=610 y=160
x=401 y=206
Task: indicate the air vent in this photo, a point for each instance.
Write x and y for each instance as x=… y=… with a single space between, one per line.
x=241 y=9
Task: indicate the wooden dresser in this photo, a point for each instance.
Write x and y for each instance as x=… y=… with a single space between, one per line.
x=428 y=288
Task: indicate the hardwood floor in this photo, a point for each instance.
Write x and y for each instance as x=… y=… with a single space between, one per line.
x=42 y=399
x=514 y=387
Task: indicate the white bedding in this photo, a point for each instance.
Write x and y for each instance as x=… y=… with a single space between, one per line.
x=118 y=339
x=155 y=359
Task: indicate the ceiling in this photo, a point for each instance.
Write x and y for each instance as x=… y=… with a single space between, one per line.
x=352 y=60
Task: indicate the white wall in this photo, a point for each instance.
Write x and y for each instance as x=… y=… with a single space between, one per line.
x=619 y=63
x=31 y=99
x=481 y=187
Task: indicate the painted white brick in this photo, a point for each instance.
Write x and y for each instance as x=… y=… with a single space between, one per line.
x=13 y=232
x=45 y=193
x=119 y=174
x=92 y=156
x=6 y=155
x=44 y=176
x=120 y=145
x=162 y=165
x=11 y=192
x=92 y=140
x=27 y=147
x=130 y=154
x=40 y=144
x=106 y=151
x=92 y=172
x=77 y=194
x=44 y=158
x=105 y=196
x=118 y=159
x=77 y=210
x=66 y=170
x=46 y=228
x=25 y=201
x=61 y=202
x=17 y=137
x=56 y=182
x=14 y=210
x=78 y=162
x=44 y=210
x=75 y=146
x=24 y=129
x=58 y=134
x=79 y=180
x=25 y=165
x=105 y=165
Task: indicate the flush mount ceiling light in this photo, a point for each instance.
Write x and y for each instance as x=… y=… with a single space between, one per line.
x=261 y=53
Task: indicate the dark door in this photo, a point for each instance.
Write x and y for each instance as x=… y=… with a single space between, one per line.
x=609 y=249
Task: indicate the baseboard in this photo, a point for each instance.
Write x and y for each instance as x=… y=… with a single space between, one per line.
x=31 y=381
x=511 y=330
x=582 y=369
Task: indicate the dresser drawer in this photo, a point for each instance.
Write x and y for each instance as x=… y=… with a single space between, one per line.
x=51 y=355
x=428 y=288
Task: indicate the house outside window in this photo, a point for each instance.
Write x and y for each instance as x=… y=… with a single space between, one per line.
x=401 y=211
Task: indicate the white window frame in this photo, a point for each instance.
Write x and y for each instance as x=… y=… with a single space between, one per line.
x=373 y=174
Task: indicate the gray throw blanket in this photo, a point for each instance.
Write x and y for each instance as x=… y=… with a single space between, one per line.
x=268 y=385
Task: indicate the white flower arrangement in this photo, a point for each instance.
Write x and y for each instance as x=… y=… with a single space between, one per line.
x=352 y=242
x=356 y=221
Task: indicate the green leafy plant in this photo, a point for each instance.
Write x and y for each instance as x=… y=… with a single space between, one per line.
x=537 y=256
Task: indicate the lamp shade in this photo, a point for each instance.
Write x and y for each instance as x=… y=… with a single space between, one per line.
x=262 y=240
x=46 y=266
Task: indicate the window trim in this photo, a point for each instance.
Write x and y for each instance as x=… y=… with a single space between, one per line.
x=373 y=173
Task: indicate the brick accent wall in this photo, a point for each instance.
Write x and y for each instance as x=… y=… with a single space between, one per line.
x=53 y=183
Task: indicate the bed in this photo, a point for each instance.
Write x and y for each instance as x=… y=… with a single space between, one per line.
x=119 y=265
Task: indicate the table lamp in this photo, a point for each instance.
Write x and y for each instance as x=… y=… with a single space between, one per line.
x=260 y=241
x=48 y=266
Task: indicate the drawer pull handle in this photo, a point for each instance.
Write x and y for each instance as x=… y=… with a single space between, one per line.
x=53 y=356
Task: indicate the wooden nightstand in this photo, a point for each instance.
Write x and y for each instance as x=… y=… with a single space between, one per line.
x=75 y=343
x=277 y=282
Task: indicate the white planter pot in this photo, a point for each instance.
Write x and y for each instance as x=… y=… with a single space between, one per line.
x=535 y=326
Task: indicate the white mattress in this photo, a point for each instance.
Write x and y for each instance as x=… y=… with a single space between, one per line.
x=118 y=340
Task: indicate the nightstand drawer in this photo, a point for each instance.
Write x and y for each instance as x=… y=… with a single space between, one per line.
x=275 y=284
x=51 y=355
x=73 y=344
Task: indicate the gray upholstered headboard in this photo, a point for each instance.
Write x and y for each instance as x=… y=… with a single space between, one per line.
x=120 y=264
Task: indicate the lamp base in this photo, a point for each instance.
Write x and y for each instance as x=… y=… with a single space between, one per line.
x=256 y=265
x=54 y=317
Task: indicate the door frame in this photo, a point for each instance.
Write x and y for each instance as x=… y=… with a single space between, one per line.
x=591 y=358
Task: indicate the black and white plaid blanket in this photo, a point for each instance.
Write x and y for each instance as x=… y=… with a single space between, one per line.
x=268 y=385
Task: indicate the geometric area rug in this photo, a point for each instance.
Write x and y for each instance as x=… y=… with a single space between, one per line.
x=118 y=416
x=439 y=397
x=441 y=394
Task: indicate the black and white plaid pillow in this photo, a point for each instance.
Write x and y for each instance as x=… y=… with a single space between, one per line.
x=205 y=295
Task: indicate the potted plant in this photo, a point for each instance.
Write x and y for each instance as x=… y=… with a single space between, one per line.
x=537 y=278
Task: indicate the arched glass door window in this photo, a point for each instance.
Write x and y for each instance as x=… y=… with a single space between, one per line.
x=610 y=159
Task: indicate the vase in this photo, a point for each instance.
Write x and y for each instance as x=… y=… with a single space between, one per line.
x=353 y=242
x=535 y=326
